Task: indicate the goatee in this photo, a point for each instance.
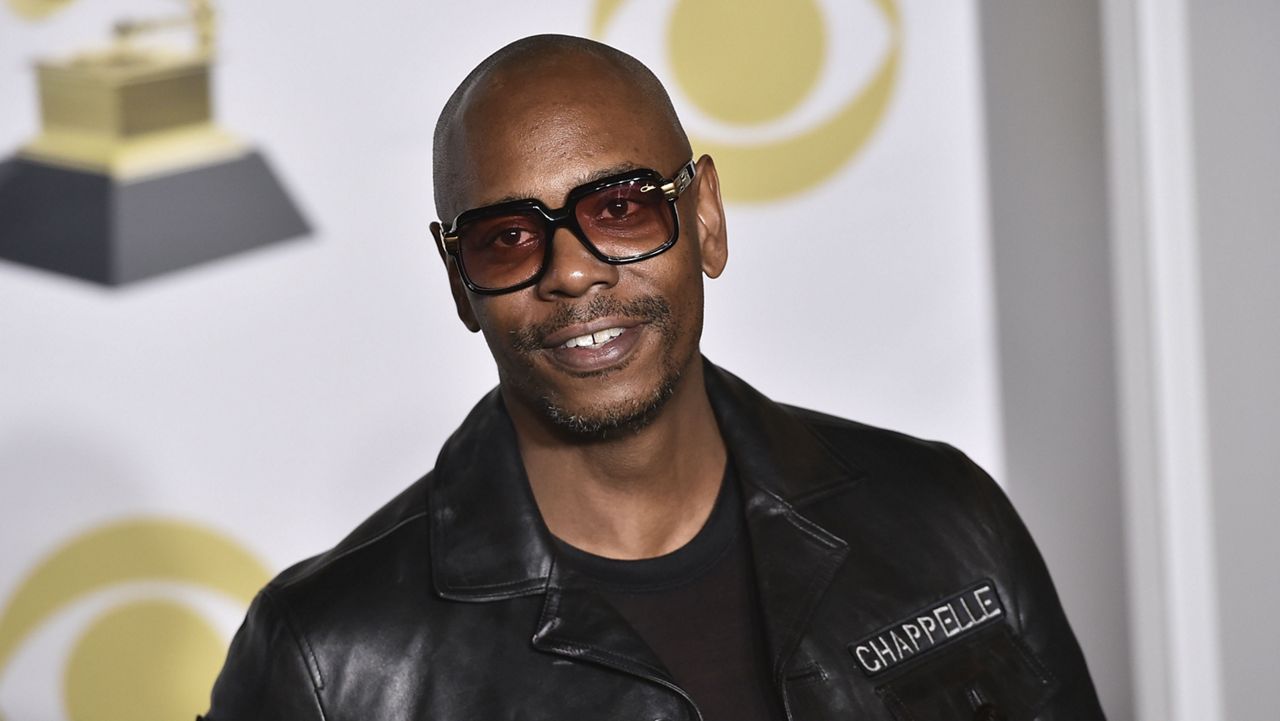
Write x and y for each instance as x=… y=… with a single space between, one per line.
x=605 y=421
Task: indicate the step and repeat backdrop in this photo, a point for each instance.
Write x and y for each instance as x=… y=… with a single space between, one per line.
x=226 y=337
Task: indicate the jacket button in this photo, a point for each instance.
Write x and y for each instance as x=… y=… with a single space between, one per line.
x=988 y=712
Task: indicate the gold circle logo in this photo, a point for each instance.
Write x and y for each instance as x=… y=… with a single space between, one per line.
x=748 y=64
x=144 y=658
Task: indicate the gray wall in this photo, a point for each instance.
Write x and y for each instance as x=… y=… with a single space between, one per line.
x=1042 y=66
x=1236 y=113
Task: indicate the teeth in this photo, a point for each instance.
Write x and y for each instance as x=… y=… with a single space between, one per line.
x=606 y=335
x=593 y=340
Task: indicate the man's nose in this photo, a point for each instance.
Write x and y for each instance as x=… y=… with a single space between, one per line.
x=572 y=270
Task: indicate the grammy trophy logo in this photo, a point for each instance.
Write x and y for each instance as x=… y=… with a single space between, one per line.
x=130 y=176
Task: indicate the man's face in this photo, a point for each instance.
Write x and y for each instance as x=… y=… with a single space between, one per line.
x=591 y=346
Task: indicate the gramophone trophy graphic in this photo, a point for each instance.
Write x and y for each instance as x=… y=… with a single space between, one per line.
x=130 y=176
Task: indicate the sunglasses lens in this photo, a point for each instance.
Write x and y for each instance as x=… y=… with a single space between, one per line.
x=627 y=220
x=502 y=251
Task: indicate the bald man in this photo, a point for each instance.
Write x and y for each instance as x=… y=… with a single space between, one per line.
x=621 y=530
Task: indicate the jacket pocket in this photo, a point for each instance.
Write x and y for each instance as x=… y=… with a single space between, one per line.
x=992 y=676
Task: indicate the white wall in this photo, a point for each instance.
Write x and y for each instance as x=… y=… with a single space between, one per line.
x=1236 y=113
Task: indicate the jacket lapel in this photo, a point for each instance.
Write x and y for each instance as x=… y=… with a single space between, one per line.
x=579 y=624
x=781 y=465
x=488 y=541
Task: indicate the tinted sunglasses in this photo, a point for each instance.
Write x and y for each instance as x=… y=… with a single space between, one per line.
x=623 y=218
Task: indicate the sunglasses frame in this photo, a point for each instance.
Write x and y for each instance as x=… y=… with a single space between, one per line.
x=449 y=241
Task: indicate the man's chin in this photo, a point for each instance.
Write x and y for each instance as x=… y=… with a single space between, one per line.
x=601 y=422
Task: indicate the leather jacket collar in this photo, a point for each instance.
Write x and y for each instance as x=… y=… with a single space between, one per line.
x=489 y=541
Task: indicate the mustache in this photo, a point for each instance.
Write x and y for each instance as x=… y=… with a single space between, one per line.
x=651 y=309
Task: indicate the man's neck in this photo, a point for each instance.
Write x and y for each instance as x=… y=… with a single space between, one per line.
x=637 y=495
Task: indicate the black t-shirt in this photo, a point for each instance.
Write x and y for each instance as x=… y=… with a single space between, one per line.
x=698 y=610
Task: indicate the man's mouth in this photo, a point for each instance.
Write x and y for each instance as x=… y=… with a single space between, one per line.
x=589 y=339
x=605 y=344
x=593 y=340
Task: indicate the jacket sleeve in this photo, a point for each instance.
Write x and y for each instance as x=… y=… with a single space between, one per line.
x=270 y=673
x=1038 y=612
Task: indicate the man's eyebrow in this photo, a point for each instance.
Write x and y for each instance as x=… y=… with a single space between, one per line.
x=606 y=172
x=591 y=177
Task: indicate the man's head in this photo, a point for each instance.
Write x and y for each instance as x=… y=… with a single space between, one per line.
x=537 y=119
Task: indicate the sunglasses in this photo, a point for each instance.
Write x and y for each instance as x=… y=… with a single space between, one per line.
x=623 y=218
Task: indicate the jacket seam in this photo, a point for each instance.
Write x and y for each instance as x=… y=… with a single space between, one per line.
x=1008 y=557
x=896 y=707
x=539 y=580
x=1032 y=660
x=810 y=427
x=550 y=609
x=551 y=602
x=358 y=547
x=623 y=662
x=817 y=582
x=439 y=531
x=852 y=473
x=814 y=531
x=305 y=650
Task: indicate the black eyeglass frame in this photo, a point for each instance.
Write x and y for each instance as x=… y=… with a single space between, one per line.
x=565 y=217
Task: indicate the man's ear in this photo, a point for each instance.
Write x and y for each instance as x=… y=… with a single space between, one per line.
x=460 y=298
x=713 y=238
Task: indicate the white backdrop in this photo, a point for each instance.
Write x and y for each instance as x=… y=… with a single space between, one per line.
x=276 y=398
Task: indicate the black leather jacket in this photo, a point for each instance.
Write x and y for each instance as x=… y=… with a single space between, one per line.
x=895 y=578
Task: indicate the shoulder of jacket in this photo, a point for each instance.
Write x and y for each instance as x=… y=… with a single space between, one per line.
x=930 y=477
x=345 y=598
x=873 y=448
x=397 y=528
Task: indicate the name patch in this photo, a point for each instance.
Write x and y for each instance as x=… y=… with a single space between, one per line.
x=928 y=629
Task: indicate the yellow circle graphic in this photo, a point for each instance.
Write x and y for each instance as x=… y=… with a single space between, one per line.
x=168 y=651
x=746 y=72
x=144 y=660
x=718 y=49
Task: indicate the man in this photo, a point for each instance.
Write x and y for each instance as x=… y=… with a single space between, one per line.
x=622 y=530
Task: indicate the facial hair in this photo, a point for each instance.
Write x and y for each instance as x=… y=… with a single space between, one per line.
x=601 y=422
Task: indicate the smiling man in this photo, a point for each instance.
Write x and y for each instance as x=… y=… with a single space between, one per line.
x=622 y=530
